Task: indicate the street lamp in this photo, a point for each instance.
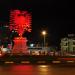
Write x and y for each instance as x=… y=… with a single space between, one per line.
x=44 y=34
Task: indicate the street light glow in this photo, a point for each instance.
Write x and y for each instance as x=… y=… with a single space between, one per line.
x=44 y=32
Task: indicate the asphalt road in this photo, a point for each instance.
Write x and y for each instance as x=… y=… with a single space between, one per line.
x=37 y=69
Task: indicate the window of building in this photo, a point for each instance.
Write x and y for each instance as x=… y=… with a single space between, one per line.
x=65 y=44
x=73 y=38
x=73 y=43
x=65 y=39
x=73 y=48
x=66 y=49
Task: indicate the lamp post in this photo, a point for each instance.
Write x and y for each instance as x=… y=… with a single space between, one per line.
x=44 y=34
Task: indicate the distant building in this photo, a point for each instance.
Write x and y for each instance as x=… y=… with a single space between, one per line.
x=68 y=43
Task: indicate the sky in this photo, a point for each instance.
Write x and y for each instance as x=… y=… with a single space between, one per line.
x=57 y=17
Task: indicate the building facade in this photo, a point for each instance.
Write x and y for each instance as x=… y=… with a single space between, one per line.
x=68 y=44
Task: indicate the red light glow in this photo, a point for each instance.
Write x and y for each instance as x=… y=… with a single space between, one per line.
x=20 y=21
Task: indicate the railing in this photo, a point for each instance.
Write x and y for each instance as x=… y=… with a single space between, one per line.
x=41 y=51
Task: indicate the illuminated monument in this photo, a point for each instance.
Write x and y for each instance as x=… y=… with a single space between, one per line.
x=20 y=21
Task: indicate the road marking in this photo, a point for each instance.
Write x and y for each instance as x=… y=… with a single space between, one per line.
x=41 y=62
x=25 y=62
x=56 y=61
x=9 y=62
x=70 y=61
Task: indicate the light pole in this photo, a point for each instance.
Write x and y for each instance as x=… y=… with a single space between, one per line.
x=44 y=34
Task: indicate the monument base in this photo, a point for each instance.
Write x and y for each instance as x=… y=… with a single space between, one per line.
x=20 y=45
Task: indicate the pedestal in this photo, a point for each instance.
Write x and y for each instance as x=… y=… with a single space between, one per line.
x=20 y=45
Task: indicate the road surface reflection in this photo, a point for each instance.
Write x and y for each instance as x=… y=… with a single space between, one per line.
x=36 y=70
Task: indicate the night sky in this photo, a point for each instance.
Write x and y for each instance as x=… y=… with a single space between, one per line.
x=57 y=17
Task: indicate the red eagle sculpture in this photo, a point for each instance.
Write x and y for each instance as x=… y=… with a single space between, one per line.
x=20 y=21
